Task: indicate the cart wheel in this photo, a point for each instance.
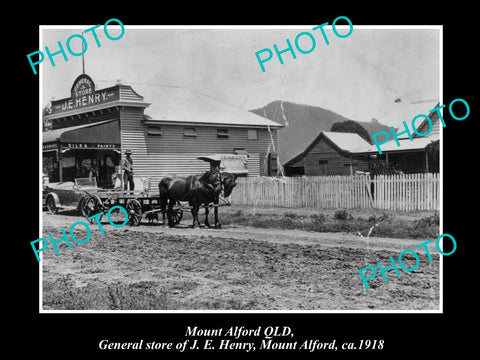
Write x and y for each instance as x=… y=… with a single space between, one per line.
x=52 y=207
x=177 y=216
x=81 y=206
x=134 y=210
x=93 y=205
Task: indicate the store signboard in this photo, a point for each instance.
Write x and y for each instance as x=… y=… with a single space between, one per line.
x=84 y=96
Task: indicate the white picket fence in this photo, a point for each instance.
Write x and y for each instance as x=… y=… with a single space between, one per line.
x=389 y=192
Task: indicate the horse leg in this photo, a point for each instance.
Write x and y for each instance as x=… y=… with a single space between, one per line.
x=193 y=206
x=198 y=220
x=170 y=212
x=207 y=223
x=195 y=211
x=215 y=212
x=163 y=201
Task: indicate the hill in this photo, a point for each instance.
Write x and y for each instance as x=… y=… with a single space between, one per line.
x=303 y=123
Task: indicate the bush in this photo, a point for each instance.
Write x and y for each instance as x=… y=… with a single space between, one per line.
x=320 y=218
x=428 y=221
x=342 y=215
x=290 y=215
x=382 y=167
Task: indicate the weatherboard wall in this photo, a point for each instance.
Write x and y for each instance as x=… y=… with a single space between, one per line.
x=424 y=127
x=169 y=151
x=324 y=158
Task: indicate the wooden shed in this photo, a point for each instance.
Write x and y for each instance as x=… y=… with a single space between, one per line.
x=331 y=153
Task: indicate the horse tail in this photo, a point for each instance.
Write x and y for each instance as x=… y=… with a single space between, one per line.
x=163 y=192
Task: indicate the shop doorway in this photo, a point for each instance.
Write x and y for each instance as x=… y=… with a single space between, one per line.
x=98 y=164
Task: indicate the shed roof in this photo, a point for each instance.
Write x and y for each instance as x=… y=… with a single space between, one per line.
x=180 y=104
x=348 y=142
x=354 y=144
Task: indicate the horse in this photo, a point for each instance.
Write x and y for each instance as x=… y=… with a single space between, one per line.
x=227 y=181
x=196 y=189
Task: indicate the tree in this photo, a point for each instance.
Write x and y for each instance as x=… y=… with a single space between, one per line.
x=382 y=167
x=46 y=124
x=350 y=126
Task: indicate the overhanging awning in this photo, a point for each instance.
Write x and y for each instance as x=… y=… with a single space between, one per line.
x=99 y=135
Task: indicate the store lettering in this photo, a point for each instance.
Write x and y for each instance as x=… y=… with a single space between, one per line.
x=50 y=146
x=85 y=145
x=84 y=100
x=83 y=87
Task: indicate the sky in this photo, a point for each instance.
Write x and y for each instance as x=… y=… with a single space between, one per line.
x=358 y=76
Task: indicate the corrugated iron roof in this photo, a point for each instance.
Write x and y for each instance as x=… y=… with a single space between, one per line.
x=350 y=142
x=405 y=145
x=355 y=144
x=179 y=104
x=409 y=111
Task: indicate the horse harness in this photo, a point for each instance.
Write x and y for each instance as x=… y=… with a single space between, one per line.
x=195 y=185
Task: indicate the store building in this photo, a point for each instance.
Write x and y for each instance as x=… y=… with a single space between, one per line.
x=91 y=130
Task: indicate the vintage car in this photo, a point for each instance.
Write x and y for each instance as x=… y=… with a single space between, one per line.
x=69 y=195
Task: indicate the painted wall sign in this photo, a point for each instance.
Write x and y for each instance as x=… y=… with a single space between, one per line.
x=87 y=97
x=90 y=146
x=50 y=146
x=83 y=85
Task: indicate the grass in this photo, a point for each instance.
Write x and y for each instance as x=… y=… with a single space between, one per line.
x=63 y=294
x=389 y=224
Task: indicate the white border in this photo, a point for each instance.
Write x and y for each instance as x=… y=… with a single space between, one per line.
x=228 y=27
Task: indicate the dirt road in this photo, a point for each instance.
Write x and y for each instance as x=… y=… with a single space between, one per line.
x=236 y=267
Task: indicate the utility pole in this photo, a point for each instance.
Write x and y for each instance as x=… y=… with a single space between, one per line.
x=83 y=59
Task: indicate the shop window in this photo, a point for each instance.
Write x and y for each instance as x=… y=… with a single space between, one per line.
x=109 y=162
x=222 y=133
x=252 y=134
x=50 y=166
x=106 y=170
x=68 y=162
x=68 y=168
x=154 y=130
x=88 y=168
x=189 y=132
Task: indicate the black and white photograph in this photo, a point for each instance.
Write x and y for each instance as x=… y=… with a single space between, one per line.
x=260 y=168
x=192 y=182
